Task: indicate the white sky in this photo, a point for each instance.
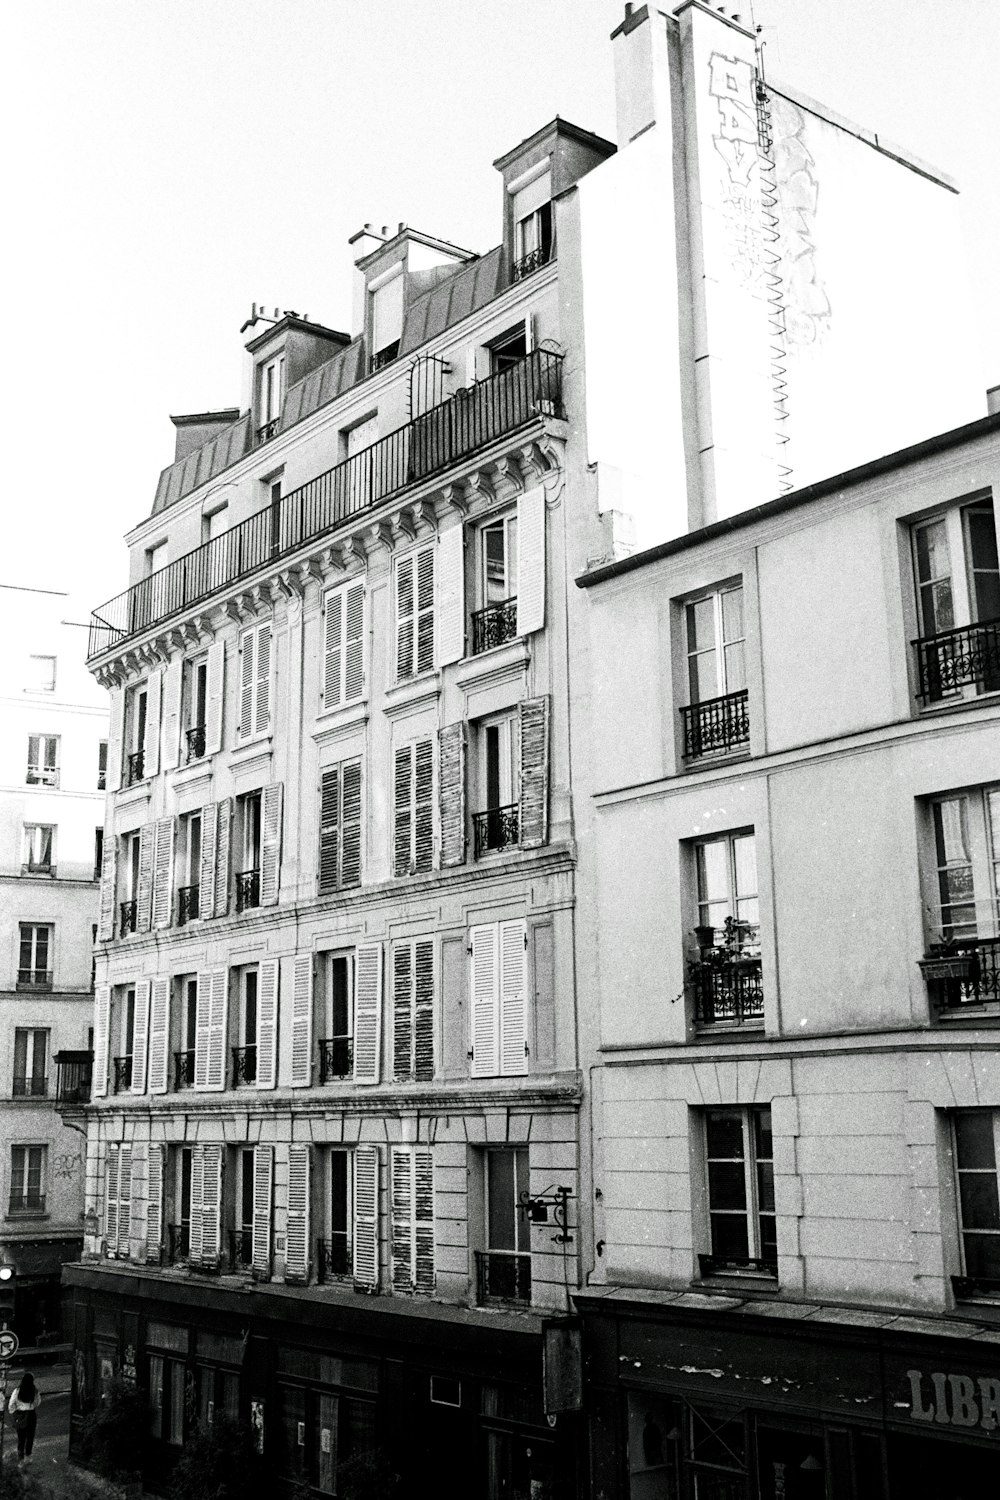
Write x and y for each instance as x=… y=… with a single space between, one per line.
x=171 y=161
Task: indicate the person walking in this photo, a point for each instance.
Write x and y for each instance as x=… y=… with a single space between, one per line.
x=23 y=1407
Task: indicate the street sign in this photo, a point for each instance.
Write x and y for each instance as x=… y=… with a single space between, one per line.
x=9 y=1344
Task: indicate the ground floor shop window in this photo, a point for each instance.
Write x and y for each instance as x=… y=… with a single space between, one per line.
x=521 y=1468
x=166 y=1397
x=320 y=1432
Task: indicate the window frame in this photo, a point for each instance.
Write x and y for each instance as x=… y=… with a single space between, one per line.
x=41 y=866
x=324 y=999
x=23 y=1083
x=44 y=771
x=719 y=644
x=961 y=580
x=47 y=686
x=24 y=1208
x=758 y=1263
x=33 y=968
x=977 y=1281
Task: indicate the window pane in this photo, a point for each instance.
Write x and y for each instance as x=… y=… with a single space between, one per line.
x=500 y=1226
x=713 y=872
x=765 y=1187
x=521 y=1185
x=980 y=1203
x=701 y=625
x=974 y=1139
x=982 y=1255
x=729 y=1236
x=736 y=674
x=727 y=1188
x=732 y=615
x=724 y=1134
x=41 y=948
x=175 y=1434
x=493 y=563
x=983 y=557
x=703 y=678
x=745 y=863
x=763 y=1147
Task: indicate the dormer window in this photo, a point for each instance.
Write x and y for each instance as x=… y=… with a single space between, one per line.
x=533 y=225
x=386 y=294
x=270 y=392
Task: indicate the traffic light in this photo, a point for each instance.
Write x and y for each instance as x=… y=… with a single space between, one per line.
x=8 y=1285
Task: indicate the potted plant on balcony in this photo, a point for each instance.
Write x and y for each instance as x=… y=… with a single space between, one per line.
x=948 y=959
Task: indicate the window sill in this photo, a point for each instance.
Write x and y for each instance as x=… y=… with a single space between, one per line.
x=414 y=692
x=260 y=744
x=954 y=705
x=331 y=722
x=31 y=1215
x=497 y=663
x=139 y=791
x=712 y=1031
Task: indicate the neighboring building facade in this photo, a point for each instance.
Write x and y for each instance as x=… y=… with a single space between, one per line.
x=789 y=921
x=55 y=731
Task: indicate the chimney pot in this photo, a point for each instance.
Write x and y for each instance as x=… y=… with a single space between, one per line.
x=628 y=9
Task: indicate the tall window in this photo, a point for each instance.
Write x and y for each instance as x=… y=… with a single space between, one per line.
x=248 y=810
x=186 y=1029
x=189 y=869
x=195 y=706
x=245 y=1052
x=415 y=613
x=27 y=1179
x=967 y=865
x=166 y=1397
x=496 y=620
x=387 y=318
x=340 y=827
x=505 y=1269
x=34 y=963
x=255 y=680
x=41 y=674
x=740 y=1180
x=135 y=735
x=31 y=1052
x=413 y=808
x=102 y=765
x=126 y=1039
x=43 y=760
x=271 y=378
x=533 y=225
x=715 y=718
x=336 y=1251
x=336 y=1016
x=413 y=1009
x=726 y=975
x=977 y=1154
x=343 y=645
x=957 y=578
x=39 y=848
x=496 y=824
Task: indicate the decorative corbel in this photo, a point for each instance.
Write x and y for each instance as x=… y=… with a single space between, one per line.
x=533 y=463
x=330 y=561
x=231 y=611
x=352 y=550
x=380 y=535
x=311 y=571
x=507 y=481
x=453 y=499
x=402 y=527
x=424 y=515
x=261 y=598
x=479 y=488
x=285 y=586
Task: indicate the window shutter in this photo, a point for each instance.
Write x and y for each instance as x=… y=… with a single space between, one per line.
x=366 y=1162
x=106 y=910
x=531 y=561
x=485 y=1057
x=248 y=675
x=223 y=850
x=402 y=1219
x=124 y=1199
x=111 y=1165
x=218 y=1010
x=451 y=792
x=267 y=1024
x=262 y=704
x=402 y=1010
x=425 y=609
x=302 y=1007
x=140 y=1037
x=423 y=1009
x=211 y=1206
x=206 y=876
x=405 y=617
x=138 y=1211
x=513 y=998
x=354 y=643
x=403 y=788
x=151 y=747
x=368 y=1013
x=333 y=653
x=144 y=894
x=159 y=1035
x=329 y=829
x=270 y=843
x=451 y=595
x=116 y=734
x=196 y=1240
x=297 y=1225
x=172 y=712
x=203 y=1003
x=423 y=1196
x=350 y=836
x=215 y=699
x=154 y=1202
x=263 y=1193
x=423 y=837
x=163 y=871
x=534 y=820
x=102 y=1031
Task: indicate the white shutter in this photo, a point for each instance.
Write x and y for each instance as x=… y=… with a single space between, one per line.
x=159 y=1036
x=203 y=1004
x=124 y=1198
x=151 y=748
x=263 y=1193
x=401 y=1198
x=531 y=561
x=423 y=1221
x=262 y=699
x=450 y=584
x=140 y=1037
x=197 y=1194
x=102 y=1031
x=211 y=1206
x=302 y=1007
x=215 y=697
x=116 y=735
x=267 y=1024
x=172 y=682
x=354 y=642
x=106 y=910
x=218 y=1012
x=223 y=848
x=333 y=649
x=405 y=617
x=270 y=843
x=144 y=893
x=513 y=998
x=425 y=609
x=154 y=1202
x=366 y=1163
x=248 y=676
x=206 y=875
x=368 y=1013
x=163 y=871
x=138 y=1213
x=297 y=1224
x=485 y=1050
x=111 y=1165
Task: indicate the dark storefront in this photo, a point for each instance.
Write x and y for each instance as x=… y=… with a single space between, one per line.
x=448 y=1395
x=693 y=1397
x=38 y=1306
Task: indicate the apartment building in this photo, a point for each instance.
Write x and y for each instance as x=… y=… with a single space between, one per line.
x=52 y=766
x=788 y=914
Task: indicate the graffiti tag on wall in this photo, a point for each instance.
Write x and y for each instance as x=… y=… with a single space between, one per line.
x=734 y=137
x=65 y=1165
x=807 y=306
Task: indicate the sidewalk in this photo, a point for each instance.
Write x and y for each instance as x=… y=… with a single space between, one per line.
x=51 y=1380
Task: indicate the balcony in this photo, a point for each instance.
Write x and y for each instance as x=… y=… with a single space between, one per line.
x=188 y=908
x=963 y=974
x=497 y=828
x=195 y=743
x=74 y=1077
x=726 y=976
x=43 y=776
x=383 y=357
x=503 y=1276
x=473 y=418
x=528 y=264
x=336 y=1058
x=266 y=431
x=30 y=1088
x=135 y=767
x=184 y=1069
x=34 y=979
x=127 y=917
x=968 y=657
x=494 y=626
x=334 y=1261
x=716 y=725
x=178 y=1243
x=247 y=890
x=121 y=1074
x=240 y=1248
x=244 y=1064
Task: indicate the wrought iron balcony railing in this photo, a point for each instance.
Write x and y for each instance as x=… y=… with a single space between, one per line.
x=336 y=1058
x=734 y=1265
x=128 y=912
x=27 y=1203
x=716 y=725
x=122 y=1068
x=471 y=419
x=102 y=781
x=195 y=742
x=266 y=431
x=494 y=625
x=383 y=357
x=30 y=1088
x=333 y=1258
x=247 y=889
x=529 y=263
x=135 y=767
x=74 y=1077
x=966 y=657
x=42 y=776
x=975 y=1286
x=34 y=979
x=726 y=976
x=178 y=1243
x=503 y=1276
x=244 y=1064
x=240 y=1248
x=184 y=1069
x=188 y=907
x=497 y=828
x=963 y=973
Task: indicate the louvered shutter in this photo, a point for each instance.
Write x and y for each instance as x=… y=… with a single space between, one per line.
x=223 y=851
x=531 y=561
x=368 y=1013
x=262 y=702
x=425 y=609
x=172 y=683
x=263 y=1193
x=402 y=1010
x=402 y=1219
x=196 y=1239
x=211 y=1206
x=403 y=794
x=354 y=642
x=248 y=675
x=106 y=910
x=116 y=734
x=140 y=1037
x=451 y=793
x=111 y=1166
x=405 y=617
x=423 y=1217
x=267 y=1024
x=102 y=1032
x=151 y=746
x=350 y=836
x=513 y=998
x=534 y=820
x=218 y=1015
x=203 y=1004
x=366 y=1161
x=124 y=1198
x=333 y=649
x=485 y=1050
x=206 y=876
x=270 y=843
x=154 y=1202
x=144 y=891
x=329 y=830
x=451 y=595
x=215 y=698
x=297 y=1225
x=163 y=871
x=159 y=1035
x=138 y=1212
x=423 y=1009
x=302 y=1008
x=423 y=809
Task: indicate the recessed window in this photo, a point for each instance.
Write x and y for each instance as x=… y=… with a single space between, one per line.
x=977 y=1155
x=496 y=620
x=189 y=868
x=156 y=558
x=31 y=1052
x=335 y=1016
x=27 y=1179
x=124 y=1016
x=962 y=898
x=102 y=766
x=41 y=674
x=726 y=974
x=34 y=965
x=248 y=826
x=245 y=1051
x=185 y=1010
x=340 y=827
x=534 y=237
x=135 y=735
x=386 y=318
x=957 y=579
x=270 y=394
x=415 y=613
x=194 y=706
x=508 y=350
x=43 y=760
x=504 y=1268
x=740 y=1181
x=335 y=1248
x=38 y=856
x=496 y=823
x=715 y=717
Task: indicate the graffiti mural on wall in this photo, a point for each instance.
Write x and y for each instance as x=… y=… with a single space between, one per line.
x=65 y=1165
x=807 y=306
x=734 y=137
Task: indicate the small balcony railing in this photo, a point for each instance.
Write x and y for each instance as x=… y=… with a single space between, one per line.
x=726 y=976
x=178 y=1243
x=383 y=357
x=247 y=890
x=127 y=917
x=195 y=742
x=43 y=776
x=187 y=904
x=34 y=979
x=244 y=1064
x=735 y=1265
x=333 y=1258
x=184 y=1069
x=27 y=1203
x=135 y=767
x=497 y=828
x=240 y=1248
x=336 y=1058
x=30 y=1088
x=716 y=725
x=494 y=626
x=533 y=261
x=266 y=431
x=503 y=1276
x=968 y=656
x=74 y=1077
x=102 y=781
x=963 y=974
x=39 y=867
x=122 y=1071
